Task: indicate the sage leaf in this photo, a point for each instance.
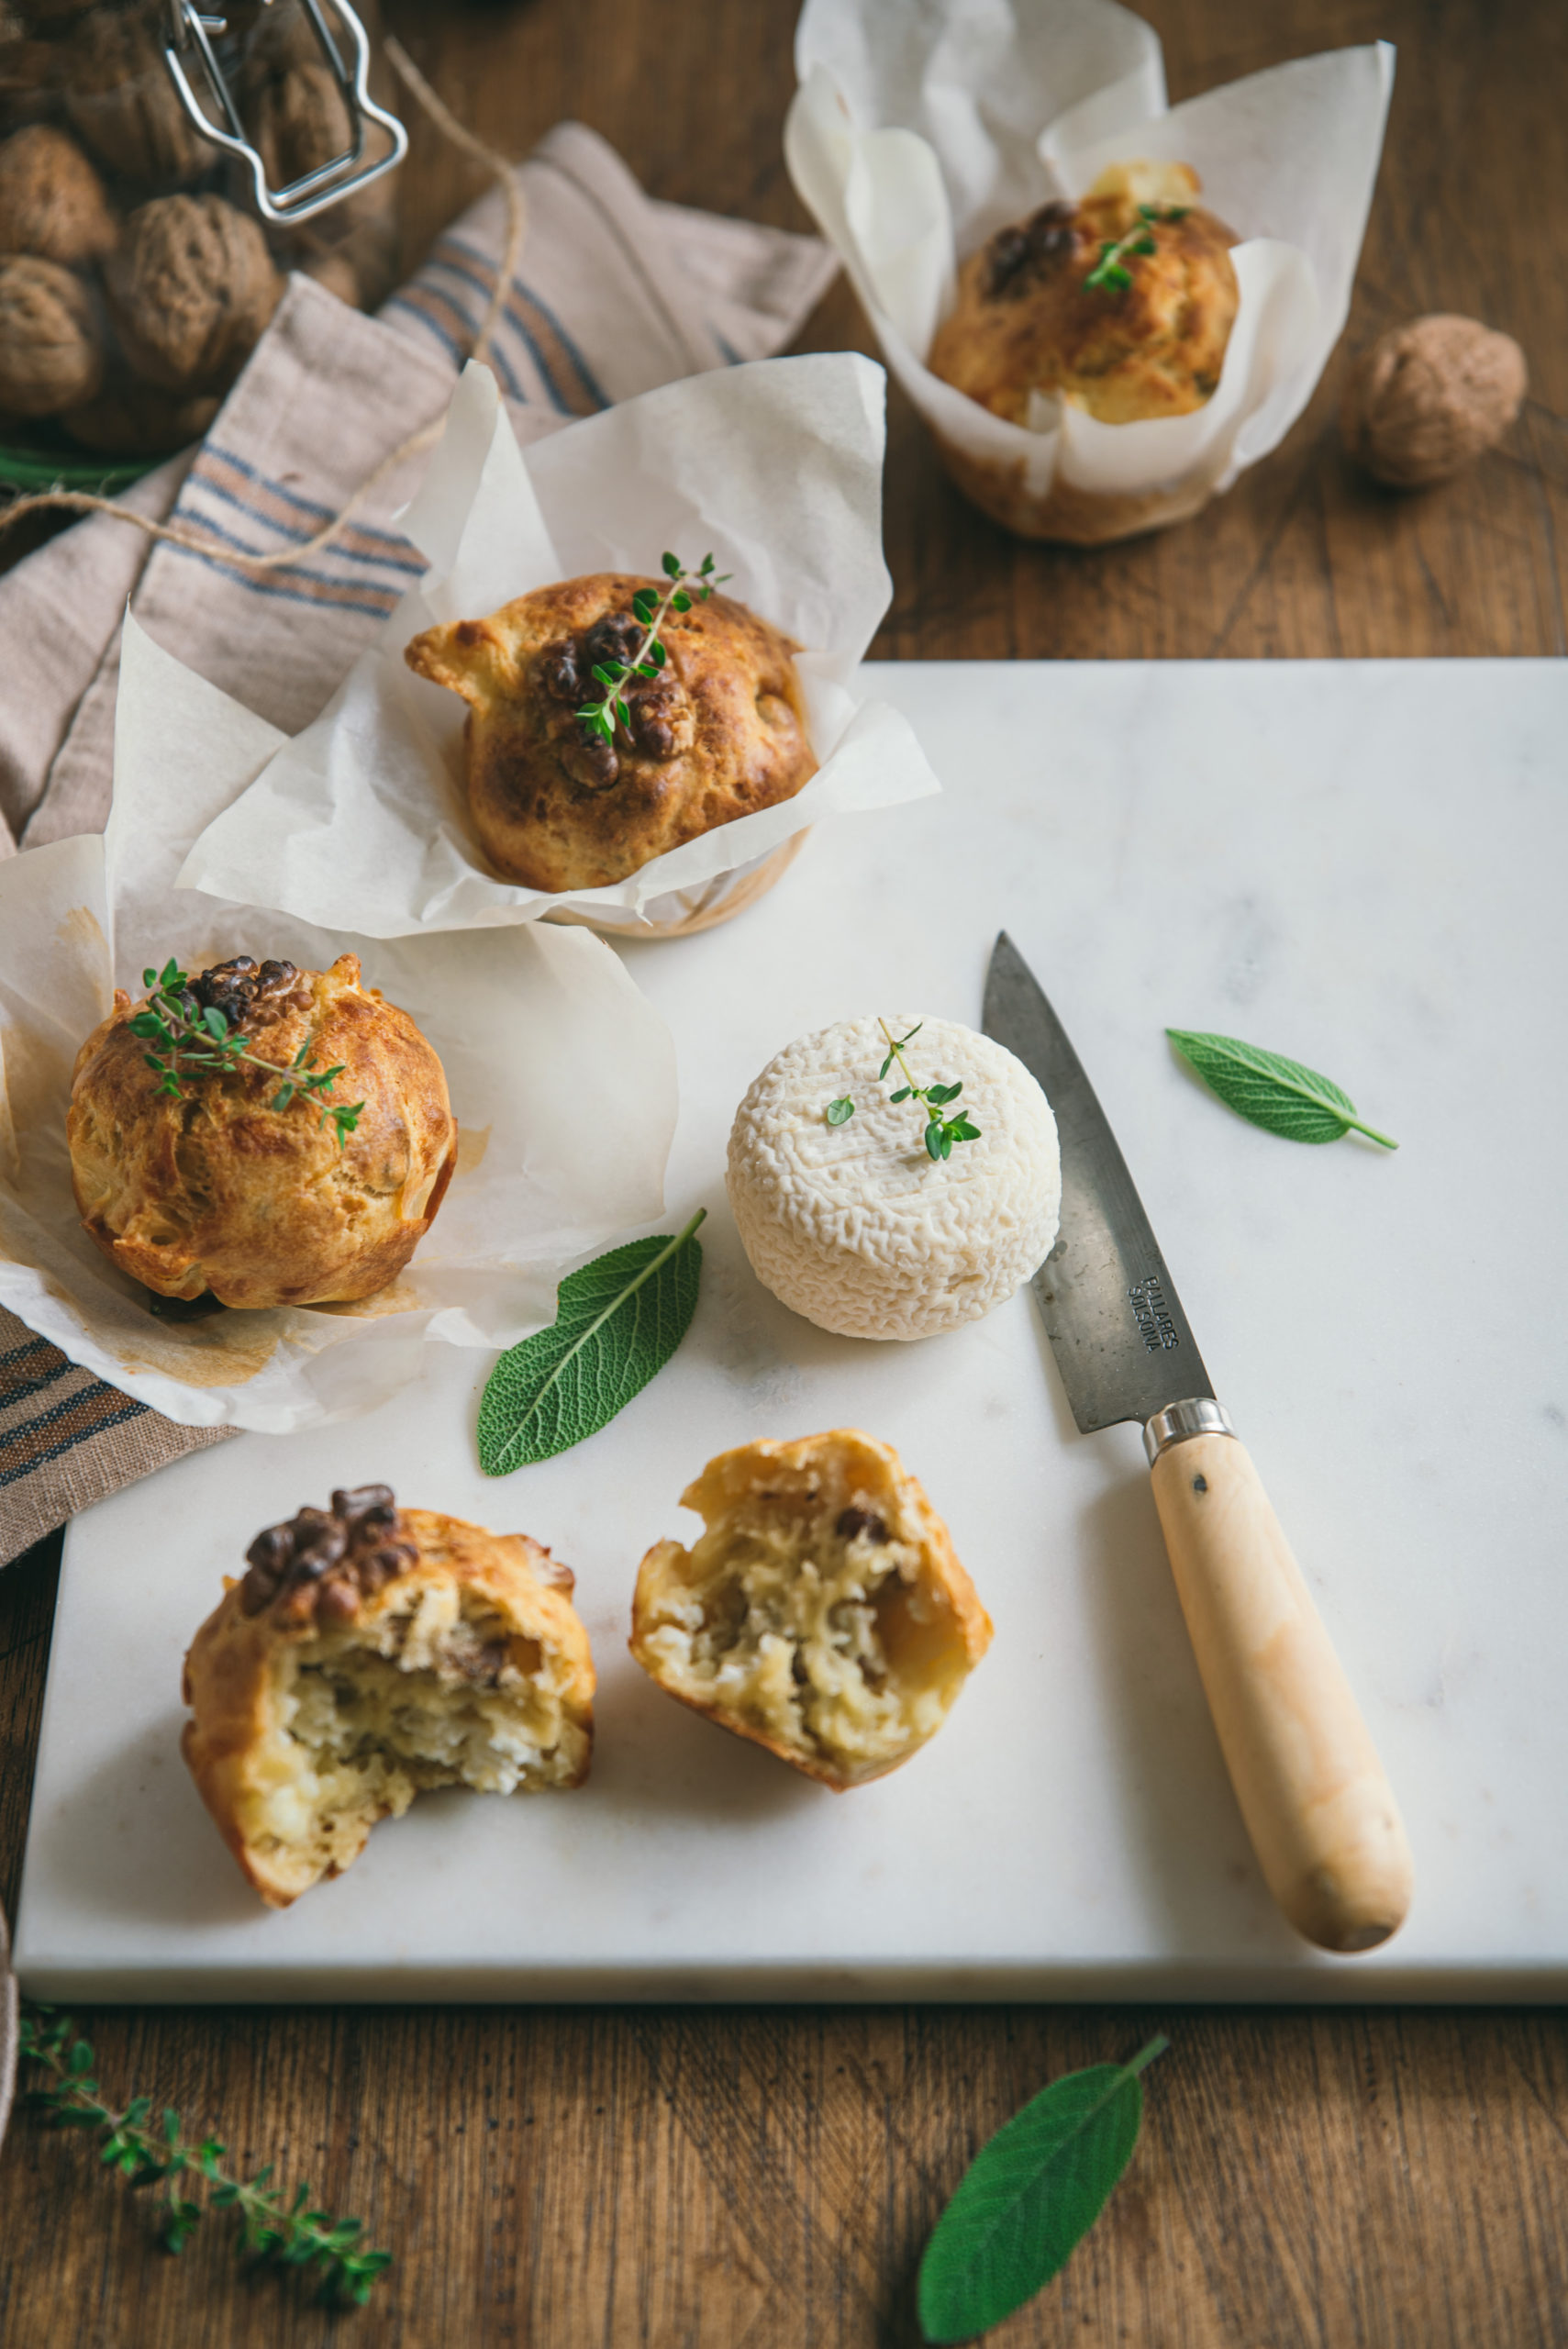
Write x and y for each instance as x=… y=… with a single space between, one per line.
x=618 y=1321
x=1029 y=2195
x=1269 y=1091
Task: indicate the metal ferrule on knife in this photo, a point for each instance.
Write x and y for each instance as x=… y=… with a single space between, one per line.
x=1199 y=1414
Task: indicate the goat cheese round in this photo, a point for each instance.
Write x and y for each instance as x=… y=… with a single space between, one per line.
x=856 y=1226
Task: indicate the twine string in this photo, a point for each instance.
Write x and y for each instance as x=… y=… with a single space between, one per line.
x=176 y=534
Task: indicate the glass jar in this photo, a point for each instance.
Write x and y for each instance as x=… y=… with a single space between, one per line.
x=162 y=168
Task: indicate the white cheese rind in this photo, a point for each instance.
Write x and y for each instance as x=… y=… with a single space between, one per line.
x=855 y=1226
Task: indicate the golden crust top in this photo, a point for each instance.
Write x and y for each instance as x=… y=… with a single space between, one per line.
x=720 y=733
x=463 y=1662
x=1024 y=321
x=220 y=1192
x=823 y=1614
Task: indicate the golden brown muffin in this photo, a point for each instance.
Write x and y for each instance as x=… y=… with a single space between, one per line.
x=1024 y=320
x=823 y=1614
x=720 y=733
x=371 y=1652
x=221 y=1192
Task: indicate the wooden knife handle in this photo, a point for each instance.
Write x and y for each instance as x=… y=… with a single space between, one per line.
x=1319 y=1810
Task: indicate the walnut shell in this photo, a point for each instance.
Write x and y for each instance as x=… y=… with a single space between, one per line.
x=51 y=200
x=52 y=351
x=121 y=101
x=1429 y=397
x=130 y=420
x=301 y=123
x=190 y=290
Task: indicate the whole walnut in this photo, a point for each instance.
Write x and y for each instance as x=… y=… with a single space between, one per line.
x=121 y=100
x=1429 y=397
x=51 y=352
x=131 y=419
x=190 y=290
x=51 y=200
x=301 y=122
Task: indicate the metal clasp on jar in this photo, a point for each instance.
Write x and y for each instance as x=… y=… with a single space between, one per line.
x=193 y=30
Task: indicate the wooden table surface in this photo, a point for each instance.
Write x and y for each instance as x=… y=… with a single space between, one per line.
x=746 y=2179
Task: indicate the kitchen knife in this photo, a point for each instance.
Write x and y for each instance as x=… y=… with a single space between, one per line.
x=1318 y=1808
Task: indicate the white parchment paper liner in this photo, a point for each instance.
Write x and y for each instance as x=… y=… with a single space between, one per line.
x=775 y=468
x=916 y=132
x=561 y=1076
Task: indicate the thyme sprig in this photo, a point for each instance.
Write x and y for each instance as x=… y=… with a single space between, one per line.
x=941 y=1133
x=1110 y=274
x=602 y=717
x=289 y=2234
x=194 y=1039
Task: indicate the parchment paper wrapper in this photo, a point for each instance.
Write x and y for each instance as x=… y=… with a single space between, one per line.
x=524 y=1025
x=916 y=132
x=775 y=468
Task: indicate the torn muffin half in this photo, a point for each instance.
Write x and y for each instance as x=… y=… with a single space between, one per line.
x=371 y=1652
x=823 y=1613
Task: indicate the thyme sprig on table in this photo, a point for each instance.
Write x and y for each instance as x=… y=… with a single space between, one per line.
x=941 y=1133
x=289 y=2234
x=602 y=718
x=194 y=1038
x=1110 y=274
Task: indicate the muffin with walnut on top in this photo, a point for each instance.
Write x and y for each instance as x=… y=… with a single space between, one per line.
x=718 y=731
x=1121 y=304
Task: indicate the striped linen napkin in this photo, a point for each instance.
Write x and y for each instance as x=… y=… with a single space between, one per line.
x=614 y=295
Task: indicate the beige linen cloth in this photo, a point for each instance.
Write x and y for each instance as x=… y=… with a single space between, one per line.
x=615 y=294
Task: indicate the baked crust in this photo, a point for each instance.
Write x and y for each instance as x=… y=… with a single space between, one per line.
x=218 y=1192
x=1024 y=321
x=823 y=1614
x=285 y=1804
x=720 y=733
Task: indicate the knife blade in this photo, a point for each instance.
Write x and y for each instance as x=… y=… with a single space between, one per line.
x=1313 y=1794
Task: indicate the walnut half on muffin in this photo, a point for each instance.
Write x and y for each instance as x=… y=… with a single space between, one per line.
x=1149 y=340
x=369 y=1652
x=217 y=1189
x=719 y=732
x=823 y=1613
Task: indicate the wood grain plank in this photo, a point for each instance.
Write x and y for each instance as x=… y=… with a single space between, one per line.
x=695 y=2178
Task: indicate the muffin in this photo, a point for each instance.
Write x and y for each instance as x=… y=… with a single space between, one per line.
x=719 y=732
x=823 y=1613
x=225 y=1188
x=369 y=1652
x=1026 y=321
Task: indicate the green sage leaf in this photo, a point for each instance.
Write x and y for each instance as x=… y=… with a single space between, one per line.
x=617 y=1322
x=1269 y=1091
x=1029 y=2197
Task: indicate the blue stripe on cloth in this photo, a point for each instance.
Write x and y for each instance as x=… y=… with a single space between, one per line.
x=514 y=318
x=422 y=290
x=128 y=1410
x=23 y=1387
x=412 y=567
x=585 y=375
x=334 y=589
x=730 y=355
x=17 y=1352
x=457 y=351
x=335 y=593
x=306 y=505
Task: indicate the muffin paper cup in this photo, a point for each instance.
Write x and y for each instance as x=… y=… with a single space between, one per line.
x=562 y=1078
x=776 y=468
x=914 y=134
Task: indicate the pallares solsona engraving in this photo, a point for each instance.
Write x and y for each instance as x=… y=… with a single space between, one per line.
x=1152 y=1314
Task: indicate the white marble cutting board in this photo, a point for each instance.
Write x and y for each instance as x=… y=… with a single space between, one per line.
x=1360 y=865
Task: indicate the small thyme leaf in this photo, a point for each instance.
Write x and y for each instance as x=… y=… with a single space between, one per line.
x=1029 y=2195
x=1108 y=276
x=292 y=2235
x=618 y=1321
x=839 y=1112
x=1269 y=1091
